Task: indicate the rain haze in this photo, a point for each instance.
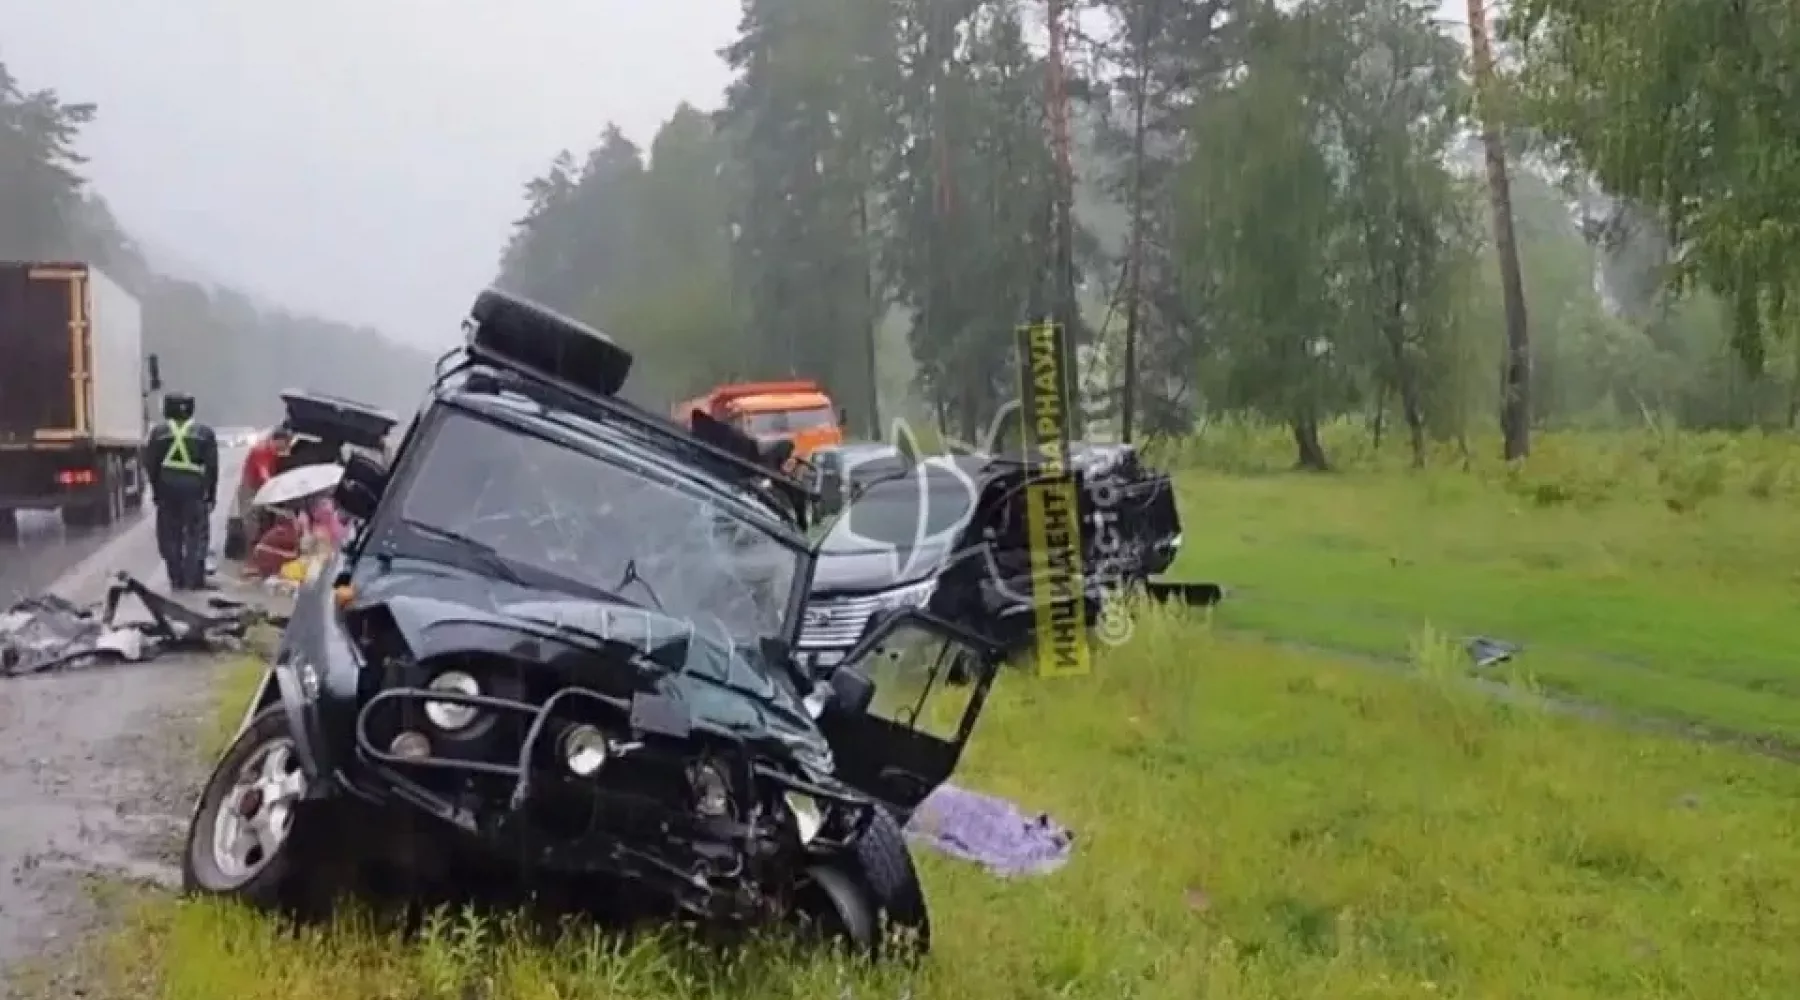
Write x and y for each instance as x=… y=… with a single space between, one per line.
x=358 y=160
x=362 y=161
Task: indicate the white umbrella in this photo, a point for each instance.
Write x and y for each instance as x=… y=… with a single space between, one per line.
x=297 y=484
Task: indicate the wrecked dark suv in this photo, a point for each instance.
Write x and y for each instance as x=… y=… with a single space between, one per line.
x=949 y=534
x=558 y=653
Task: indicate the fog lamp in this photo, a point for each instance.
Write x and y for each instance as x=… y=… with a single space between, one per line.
x=411 y=745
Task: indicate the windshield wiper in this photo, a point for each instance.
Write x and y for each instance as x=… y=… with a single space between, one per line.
x=630 y=576
x=489 y=558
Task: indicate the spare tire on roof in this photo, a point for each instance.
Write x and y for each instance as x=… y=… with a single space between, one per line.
x=517 y=333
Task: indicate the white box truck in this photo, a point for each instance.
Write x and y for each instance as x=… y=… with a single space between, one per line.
x=75 y=390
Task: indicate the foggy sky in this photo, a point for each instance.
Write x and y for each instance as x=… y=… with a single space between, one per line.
x=361 y=159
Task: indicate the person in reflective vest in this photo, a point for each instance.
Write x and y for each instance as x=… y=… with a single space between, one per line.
x=182 y=459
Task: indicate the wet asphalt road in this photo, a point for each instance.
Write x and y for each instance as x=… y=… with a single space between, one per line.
x=97 y=767
x=46 y=550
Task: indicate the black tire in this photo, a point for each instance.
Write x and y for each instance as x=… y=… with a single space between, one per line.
x=293 y=877
x=887 y=867
x=121 y=489
x=9 y=526
x=876 y=902
x=541 y=338
x=139 y=489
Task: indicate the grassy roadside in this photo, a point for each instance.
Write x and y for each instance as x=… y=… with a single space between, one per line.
x=1253 y=821
x=1618 y=596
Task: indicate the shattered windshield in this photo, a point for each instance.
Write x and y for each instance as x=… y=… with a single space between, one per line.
x=536 y=507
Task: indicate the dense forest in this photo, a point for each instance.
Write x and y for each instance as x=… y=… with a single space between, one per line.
x=233 y=354
x=1281 y=207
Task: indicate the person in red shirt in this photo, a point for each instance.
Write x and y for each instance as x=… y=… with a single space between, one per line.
x=260 y=465
x=295 y=530
x=275 y=548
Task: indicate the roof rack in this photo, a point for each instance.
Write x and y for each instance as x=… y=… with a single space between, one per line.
x=540 y=347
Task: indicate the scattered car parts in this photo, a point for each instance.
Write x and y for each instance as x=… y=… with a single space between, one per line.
x=47 y=633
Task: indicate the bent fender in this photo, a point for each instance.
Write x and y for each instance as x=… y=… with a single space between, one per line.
x=315 y=676
x=280 y=685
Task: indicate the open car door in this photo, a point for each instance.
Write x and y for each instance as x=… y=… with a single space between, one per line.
x=899 y=726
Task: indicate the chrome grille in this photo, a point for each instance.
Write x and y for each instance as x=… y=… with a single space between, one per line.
x=836 y=622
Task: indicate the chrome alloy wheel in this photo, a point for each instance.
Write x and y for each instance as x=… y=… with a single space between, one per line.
x=254 y=817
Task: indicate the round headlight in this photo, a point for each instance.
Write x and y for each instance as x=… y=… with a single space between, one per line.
x=411 y=745
x=584 y=750
x=446 y=715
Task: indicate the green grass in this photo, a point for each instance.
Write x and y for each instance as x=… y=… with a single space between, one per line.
x=1619 y=598
x=1261 y=820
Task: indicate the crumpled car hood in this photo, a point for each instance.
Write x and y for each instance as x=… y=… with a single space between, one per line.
x=443 y=610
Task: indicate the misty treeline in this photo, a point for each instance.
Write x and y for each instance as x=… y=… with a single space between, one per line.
x=233 y=354
x=873 y=206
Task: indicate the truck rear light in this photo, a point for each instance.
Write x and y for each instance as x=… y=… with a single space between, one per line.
x=76 y=477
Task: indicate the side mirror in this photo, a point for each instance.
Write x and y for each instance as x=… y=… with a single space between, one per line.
x=776 y=454
x=154 y=369
x=852 y=692
x=359 y=491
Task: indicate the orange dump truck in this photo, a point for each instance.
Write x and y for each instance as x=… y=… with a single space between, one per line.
x=797 y=410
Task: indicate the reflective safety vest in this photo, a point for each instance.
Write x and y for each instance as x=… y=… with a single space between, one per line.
x=179 y=457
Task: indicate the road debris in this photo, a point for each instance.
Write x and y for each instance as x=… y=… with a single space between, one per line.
x=47 y=633
x=1487 y=652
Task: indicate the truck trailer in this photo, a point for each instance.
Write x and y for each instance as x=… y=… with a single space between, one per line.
x=75 y=390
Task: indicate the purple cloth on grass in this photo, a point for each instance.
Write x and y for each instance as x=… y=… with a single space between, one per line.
x=991 y=832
